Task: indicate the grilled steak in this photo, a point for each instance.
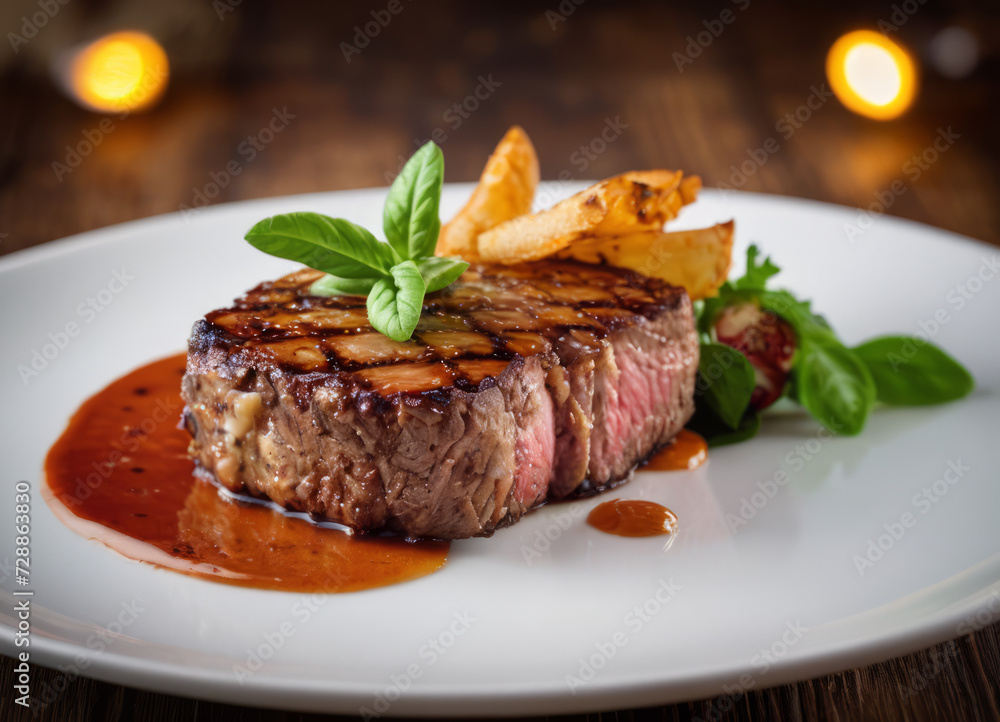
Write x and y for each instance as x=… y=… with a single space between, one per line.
x=520 y=384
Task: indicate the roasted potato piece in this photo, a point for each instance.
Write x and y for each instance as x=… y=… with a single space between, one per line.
x=625 y=204
x=506 y=190
x=617 y=221
x=689 y=188
x=695 y=260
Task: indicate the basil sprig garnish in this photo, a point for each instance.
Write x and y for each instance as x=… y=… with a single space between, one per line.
x=912 y=372
x=394 y=276
x=725 y=382
x=837 y=385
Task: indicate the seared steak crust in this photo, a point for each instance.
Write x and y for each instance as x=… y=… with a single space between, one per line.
x=521 y=383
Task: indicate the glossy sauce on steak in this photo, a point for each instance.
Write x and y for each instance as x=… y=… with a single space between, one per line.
x=520 y=383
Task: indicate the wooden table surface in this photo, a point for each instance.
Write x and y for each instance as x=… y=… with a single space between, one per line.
x=567 y=77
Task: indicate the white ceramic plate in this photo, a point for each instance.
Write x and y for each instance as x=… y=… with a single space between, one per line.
x=762 y=583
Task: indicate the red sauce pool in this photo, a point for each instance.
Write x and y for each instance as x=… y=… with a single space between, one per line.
x=632 y=517
x=635 y=517
x=688 y=450
x=120 y=473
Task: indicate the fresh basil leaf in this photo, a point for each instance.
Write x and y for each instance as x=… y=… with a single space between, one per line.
x=756 y=276
x=395 y=302
x=797 y=313
x=335 y=286
x=913 y=372
x=705 y=312
x=725 y=382
x=717 y=433
x=331 y=245
x=698 y=307
x=440 y=271
x=827 y=378
x=743 y=290
x=829 y=381
x=410 y=218
x=833 y=385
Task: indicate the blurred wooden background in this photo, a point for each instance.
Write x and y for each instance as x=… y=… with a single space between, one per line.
x=567 y=72
x=604 y=63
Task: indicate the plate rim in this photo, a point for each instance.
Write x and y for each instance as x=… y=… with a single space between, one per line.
x=440 y=699
x=511 y=699
x=85 y=240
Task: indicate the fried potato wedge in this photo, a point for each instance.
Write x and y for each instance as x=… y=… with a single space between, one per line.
x=506 y=190
x=625 y=204
x=695 y=260
x=617 y=221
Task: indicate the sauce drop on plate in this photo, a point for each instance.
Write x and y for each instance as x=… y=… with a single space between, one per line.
x=120 y=474
x=688 y=450
x=633 y=517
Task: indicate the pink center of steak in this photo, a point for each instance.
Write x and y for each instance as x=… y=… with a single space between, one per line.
x=641 y=400
x=534 y=452
x=520 y=383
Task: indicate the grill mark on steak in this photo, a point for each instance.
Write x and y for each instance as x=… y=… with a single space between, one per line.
x=501 y=307
x=487 y=411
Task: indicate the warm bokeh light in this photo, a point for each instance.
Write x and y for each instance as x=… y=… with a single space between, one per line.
x=122 y=72
x=871 y=75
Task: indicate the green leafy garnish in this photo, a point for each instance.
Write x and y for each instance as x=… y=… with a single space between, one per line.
x=722 y=394
x=833 y=385
x=440 y=271
x=332 y=245
x=394 y=276
x=335 y=285
x=717 y=433
x=725 y=382
x=410 y=217
x=395 y=301
x=830 y=381
x=756 y=277
x=837 y=385
x=913 y=372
